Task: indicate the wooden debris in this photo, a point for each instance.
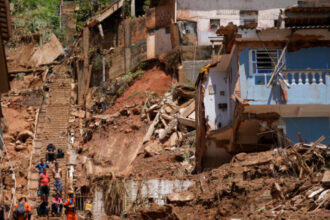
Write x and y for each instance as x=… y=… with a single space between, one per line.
x=187 y=122
x=151 y=129
x=169 y=128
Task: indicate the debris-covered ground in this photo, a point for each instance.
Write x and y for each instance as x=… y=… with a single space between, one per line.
x=282 y=184
x=20 y=108
x=140 y=126
x=288 y=183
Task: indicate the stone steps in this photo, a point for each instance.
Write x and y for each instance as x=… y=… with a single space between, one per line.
x=52 y=128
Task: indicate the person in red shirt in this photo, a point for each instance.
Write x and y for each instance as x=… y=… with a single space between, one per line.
x=44 y=184
x=22 y=210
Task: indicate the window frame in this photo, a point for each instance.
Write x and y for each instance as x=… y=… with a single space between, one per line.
x=211 y=23
x=253 y=62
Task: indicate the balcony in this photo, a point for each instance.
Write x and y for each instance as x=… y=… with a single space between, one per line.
x=306 y=77
x=309 y=86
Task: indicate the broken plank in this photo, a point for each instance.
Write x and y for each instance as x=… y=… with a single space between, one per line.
x=278 y=64
x=168 y=129
x=151 y=129
x=167 y=117
x=182 y=106
x=318 y=141
x=188 y=110
x=187 y=122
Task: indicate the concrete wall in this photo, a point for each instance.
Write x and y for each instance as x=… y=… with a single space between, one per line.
x=123 y=59
x=158 y=43
x=228 y=11
x=189 y=70
x=141 y=193
x=307 y=93
x=311 y=129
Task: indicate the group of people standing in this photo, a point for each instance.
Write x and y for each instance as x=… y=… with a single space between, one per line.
x=22 y=210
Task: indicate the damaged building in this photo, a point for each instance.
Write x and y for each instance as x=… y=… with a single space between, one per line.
x=269 y=88
x=198 y=22
x=119 y=38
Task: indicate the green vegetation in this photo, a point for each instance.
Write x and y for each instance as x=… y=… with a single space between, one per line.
x=35 y=16
x=87 y=9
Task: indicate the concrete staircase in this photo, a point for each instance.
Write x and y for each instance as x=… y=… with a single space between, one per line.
x=52 y=126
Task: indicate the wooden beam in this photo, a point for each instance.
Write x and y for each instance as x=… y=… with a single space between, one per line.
x=187 y=122
x=188 y=110
x=275 y=72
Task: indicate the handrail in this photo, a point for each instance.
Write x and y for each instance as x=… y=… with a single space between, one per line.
x=305 y=70
x=306 y=76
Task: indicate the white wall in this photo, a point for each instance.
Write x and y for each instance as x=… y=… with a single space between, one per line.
x=213 y=114
x=228 y=11
x=207 y=5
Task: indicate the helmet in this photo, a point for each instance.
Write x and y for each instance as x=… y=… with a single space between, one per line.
x=70 y=191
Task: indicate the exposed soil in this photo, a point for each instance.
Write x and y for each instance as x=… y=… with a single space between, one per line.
x=18 y=119
x=121 y=139
x=154 y=80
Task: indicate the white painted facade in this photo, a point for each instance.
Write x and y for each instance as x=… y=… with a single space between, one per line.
x=228 y=11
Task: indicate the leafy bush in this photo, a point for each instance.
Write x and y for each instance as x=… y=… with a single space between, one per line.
x=36 y=16
x=87 y=9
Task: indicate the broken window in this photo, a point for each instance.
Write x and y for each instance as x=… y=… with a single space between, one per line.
x=263 y=61
x=214 y=24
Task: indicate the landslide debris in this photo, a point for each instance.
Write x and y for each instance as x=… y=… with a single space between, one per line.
x=278 y=184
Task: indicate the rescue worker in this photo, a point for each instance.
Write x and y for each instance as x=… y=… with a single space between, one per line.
x=22 y=210
x=69 y=206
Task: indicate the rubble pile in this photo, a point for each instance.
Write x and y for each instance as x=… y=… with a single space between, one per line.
x=170 y=120
x=287 y=183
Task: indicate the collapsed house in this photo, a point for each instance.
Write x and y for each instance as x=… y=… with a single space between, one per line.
x=119 y=38
x=269 y=89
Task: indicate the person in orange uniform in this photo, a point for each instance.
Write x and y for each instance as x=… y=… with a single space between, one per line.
x=69 y=206
x=22 y=210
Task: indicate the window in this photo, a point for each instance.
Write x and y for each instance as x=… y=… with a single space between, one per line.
x=250 y=22
x=263 y=61
x=214 y=24
x=249 y=18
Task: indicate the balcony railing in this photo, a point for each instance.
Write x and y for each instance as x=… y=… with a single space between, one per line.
x=306 y=77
